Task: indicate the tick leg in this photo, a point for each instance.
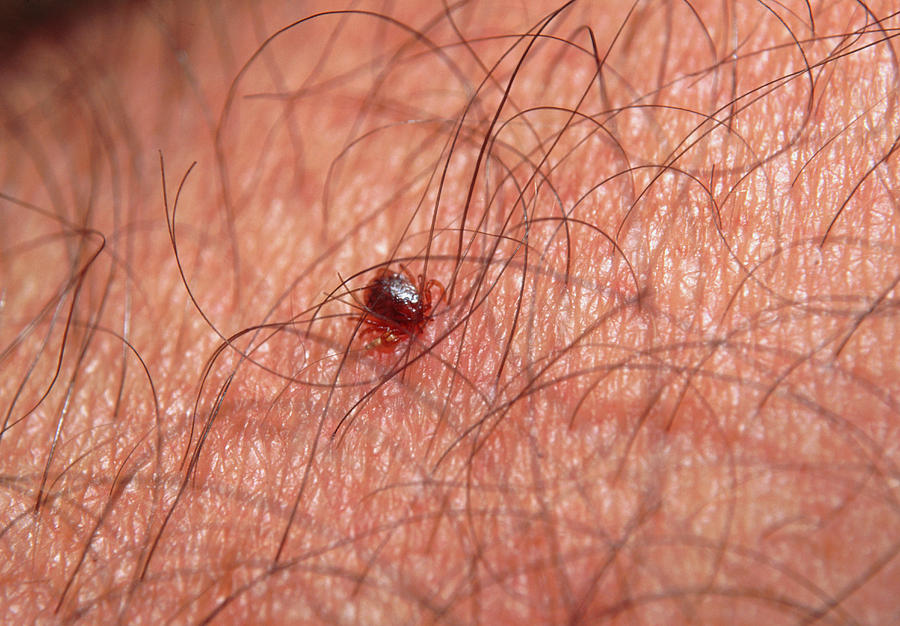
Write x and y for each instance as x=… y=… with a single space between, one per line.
x=357 y=303
x=386 y=336
x=367 y=331
x=434 y=284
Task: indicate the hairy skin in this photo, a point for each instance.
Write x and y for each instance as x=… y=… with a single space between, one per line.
x=662 y=386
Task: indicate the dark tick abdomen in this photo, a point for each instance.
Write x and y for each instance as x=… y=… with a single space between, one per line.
x=393 y=299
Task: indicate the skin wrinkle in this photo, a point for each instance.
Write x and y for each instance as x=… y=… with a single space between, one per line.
x=707 y=439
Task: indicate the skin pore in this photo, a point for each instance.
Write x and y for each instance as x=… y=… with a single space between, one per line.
x=662 y=386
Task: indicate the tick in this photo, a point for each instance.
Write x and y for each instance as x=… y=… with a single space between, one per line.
x=397 y=307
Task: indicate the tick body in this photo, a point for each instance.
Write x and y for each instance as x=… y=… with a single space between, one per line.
x=397 y=307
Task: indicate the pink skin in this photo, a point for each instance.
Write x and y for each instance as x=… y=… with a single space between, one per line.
x=662 y=388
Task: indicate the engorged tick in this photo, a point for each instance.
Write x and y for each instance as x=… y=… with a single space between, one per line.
x=396 y=307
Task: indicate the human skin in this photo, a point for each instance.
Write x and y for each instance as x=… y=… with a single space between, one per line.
x=662 y=386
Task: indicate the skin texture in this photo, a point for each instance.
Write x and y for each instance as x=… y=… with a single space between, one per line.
x=661 y=388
